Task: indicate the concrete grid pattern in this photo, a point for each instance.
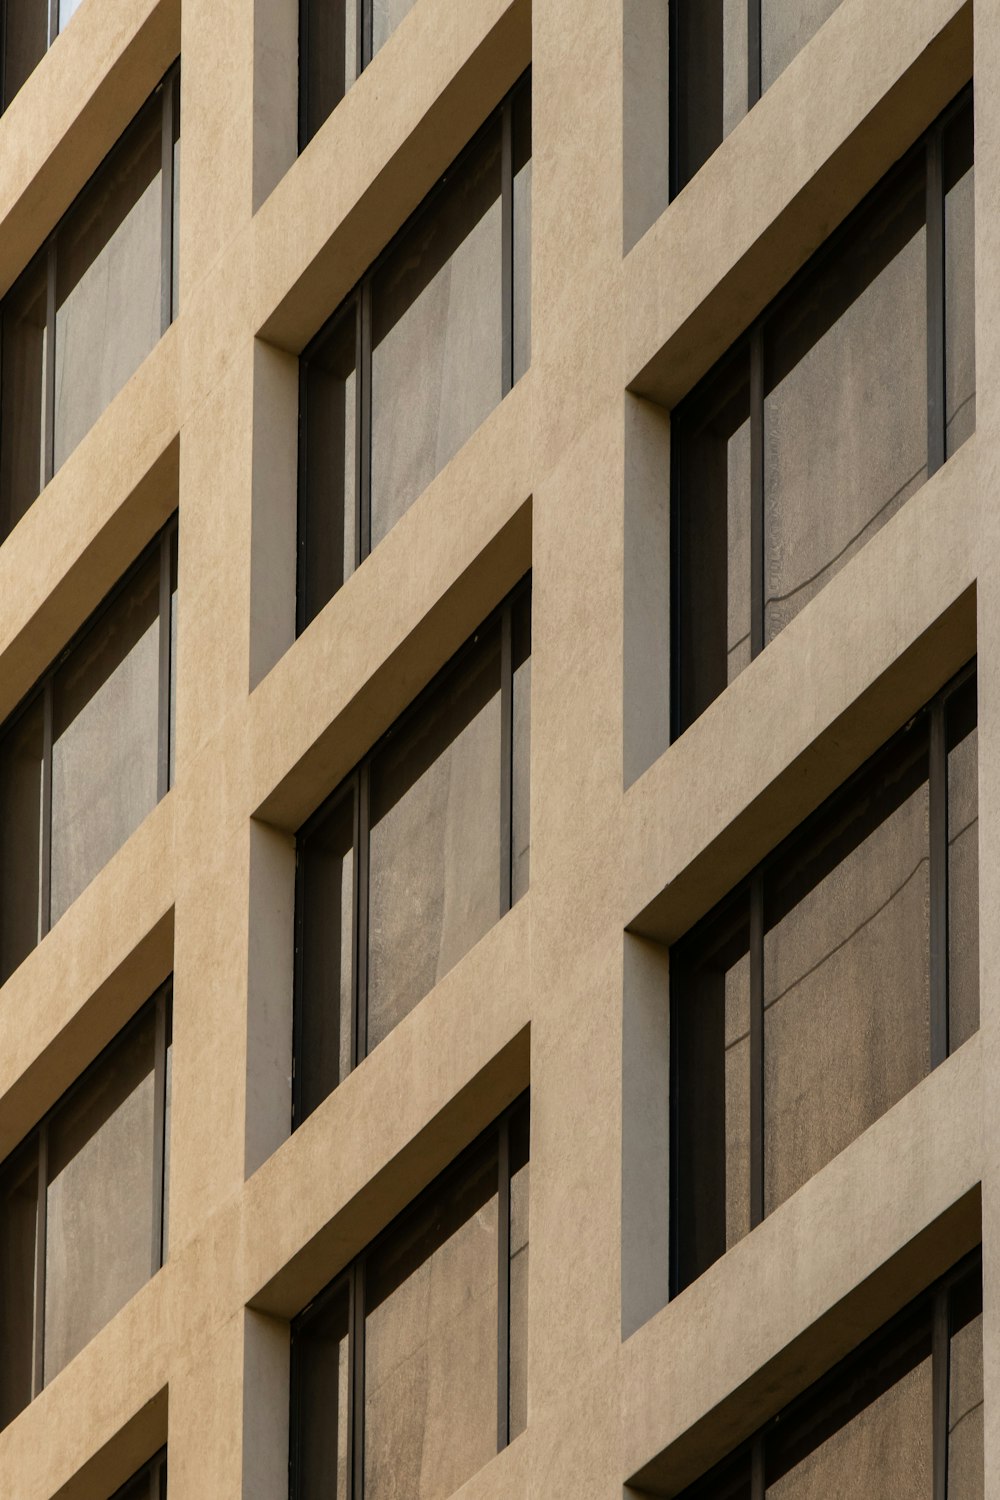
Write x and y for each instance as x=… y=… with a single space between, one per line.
x=631 y=840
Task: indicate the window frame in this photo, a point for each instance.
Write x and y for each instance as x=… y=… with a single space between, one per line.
x=352 y=1278
x=750 y=891
x=48 y=254
x=750 y=345
x=156 y=1469
x=162 y=546
x=935 y=1303
x=359 y=301
x=161 y=1005
x=52 y=31
x=356 y=786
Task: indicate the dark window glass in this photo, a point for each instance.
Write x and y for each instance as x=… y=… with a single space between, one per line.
x=397 y=1387
x=88 y=755
x=90 y=307
x=824 y=954
x=337 y=39
x=419 y=354
x=415 y=856
x=724 y=53
x=25 y=42
x=872 y=1426
x=81 y=1207
x=825 y=417
x=149 y=1484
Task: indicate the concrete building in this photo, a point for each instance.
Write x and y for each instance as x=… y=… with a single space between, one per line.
x=499 y=618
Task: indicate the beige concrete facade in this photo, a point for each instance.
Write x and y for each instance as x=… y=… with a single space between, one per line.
x=632 y=840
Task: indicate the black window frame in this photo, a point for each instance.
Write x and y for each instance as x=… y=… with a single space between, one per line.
x=356 y=786
x=160 y=1004
x=169 y=90
x=163 y=547
x=359 y=301
x=750 y=346
x=352 y=1277
x=929 y=1313
x=749 y=893
x=156 y=1469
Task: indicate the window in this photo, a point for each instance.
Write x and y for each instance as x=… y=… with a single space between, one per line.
x=828 y=984
x=902 y=1415
x=91 y=305
x=724 y=54
x=415 y=856
x=149 y=1484
x=851 y=389
x=420 y=353
x=89 y=753
x=337 y=40
x=28 y=29
x=409 y=1370
x=83 y=1207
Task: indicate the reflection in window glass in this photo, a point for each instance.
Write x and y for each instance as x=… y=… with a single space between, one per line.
x=416 y=855
x=88 y=754
x=395 y=1370
x=22 y=395
x=105 y=738
x=25 y=39
x=870 y=1426
x=825 y=417
x=417 y=356
x=97 y=1161
x=836 y=976
x=785 y=27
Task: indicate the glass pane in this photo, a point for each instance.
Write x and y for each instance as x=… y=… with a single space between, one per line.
x=169 y=1080
x=845 y=410
x=105 y=737
x=710 y=1039
x=66 y=9
x=22 y=396
x=108 y=311
x=175 y=207
x=521 y=790
x=712 y=433
x=785 y=27
x=522 y=230
x=431 y=1341
x=99 y=1241
x=437 y=355
x=18 y=1216
x=960 y=280
x=329 y=58
x=21 y=751
x=26 y=36
x=966 y=1476
x=963 y=866
x=846 y=968
x=386 y=16
x=434 y=878
x=321 y=1379
x=173 y=657
x=331 y=463
x=867 y=1432
x=327 y=936
x=710 y=74
x=729 y=1481
x=519 y=1190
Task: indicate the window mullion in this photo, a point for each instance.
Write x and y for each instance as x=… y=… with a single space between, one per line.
x=940 y=1353
x=163 y=707
x=753 y=52
x=361 y=861
x=757 y=1470
x=356 y=1394
x=938 y=799
x=503 y=1283
x=756 y=1049
x=363 y=530
x=159 y=1129
x=506 y=758
x=507 y=245
x=45 y=902
x=41 y=1232
x=935 y=303
x=50 y=364
x=757 y=490
x=167 y=205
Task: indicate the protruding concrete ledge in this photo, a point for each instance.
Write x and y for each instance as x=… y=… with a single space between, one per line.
x=90 y=523
x=101 y=960
x=426 y=1092
x=397 y=620
x=388 y=141
x=64 y=121
x=102 y=1416
x=846 y=673
x=770 y=195
x=834 y=1262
